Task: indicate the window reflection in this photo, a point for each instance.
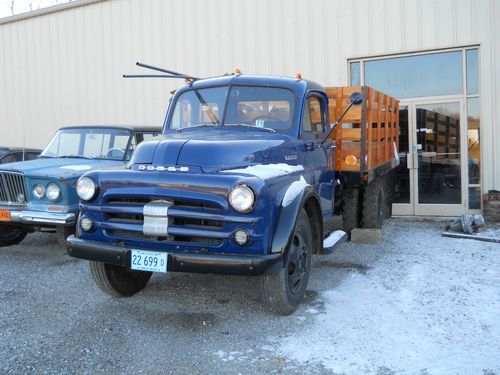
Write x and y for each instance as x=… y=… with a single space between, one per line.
x=472 y=72
x=402 y=173
x=355 y=74
x=416 y=76
x=438 y=147
x=473 y=144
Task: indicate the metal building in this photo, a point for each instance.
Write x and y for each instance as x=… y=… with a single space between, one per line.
x=63 y=65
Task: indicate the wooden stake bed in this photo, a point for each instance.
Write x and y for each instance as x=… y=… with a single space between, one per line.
x=369 y=132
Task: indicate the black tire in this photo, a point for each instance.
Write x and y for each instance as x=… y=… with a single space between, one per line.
x=372 y=213
x=388 y=195
x=350 y=210
x=283 y=292
x=118 y=281
x=63 y=232
x=11 y=236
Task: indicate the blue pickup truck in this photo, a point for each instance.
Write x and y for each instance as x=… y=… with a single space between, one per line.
x=241 y=182
x=40 y=195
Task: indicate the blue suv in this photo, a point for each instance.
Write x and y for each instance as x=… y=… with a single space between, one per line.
x=40 y=195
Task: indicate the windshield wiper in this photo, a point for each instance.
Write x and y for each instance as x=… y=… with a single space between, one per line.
x=196 y=127
x=251 y=127
x=75 y=157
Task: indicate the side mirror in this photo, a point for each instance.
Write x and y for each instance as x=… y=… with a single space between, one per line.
x=356 y=98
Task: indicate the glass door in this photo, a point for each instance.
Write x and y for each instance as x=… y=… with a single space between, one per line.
x=431 y=174
x=439 y=158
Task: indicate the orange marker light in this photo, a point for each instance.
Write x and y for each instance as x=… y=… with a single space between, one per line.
x=187 y=81
x=237 y=71
x=298 y=77
x=351 y=160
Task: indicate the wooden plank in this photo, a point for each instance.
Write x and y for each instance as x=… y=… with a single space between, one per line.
x=386 y=130
x=369 y=153
x=380 y=98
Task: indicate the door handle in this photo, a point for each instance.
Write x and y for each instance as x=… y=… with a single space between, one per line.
x=429 y=154
x=415 y=160
x=409 y=160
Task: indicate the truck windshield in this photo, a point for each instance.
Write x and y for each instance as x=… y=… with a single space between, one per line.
x=247 y=106
x=89 y=143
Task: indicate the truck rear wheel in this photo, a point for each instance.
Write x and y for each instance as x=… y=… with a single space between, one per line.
x=118 y=281
x=11 y=236
x=283 y=292
x=372 y=214
x=350 y=216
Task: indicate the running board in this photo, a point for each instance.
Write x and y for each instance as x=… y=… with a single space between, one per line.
x=333 y=241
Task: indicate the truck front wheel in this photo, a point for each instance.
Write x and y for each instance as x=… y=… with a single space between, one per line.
x=11 y=236
x=283 y=292
x=118 y=281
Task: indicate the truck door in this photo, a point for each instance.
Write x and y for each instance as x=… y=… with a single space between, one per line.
x=317 y=156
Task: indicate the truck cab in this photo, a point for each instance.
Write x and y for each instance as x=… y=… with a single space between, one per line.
x=240 y=182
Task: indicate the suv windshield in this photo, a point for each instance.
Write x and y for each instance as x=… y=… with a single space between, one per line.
x=248 y=106
x=91 y=143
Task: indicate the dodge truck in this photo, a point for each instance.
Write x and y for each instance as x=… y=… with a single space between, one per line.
x=244 y=177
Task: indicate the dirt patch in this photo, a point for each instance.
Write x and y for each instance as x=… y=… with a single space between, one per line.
x=343 y=265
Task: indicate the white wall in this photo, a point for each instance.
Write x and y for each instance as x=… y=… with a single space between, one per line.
x=65 y=67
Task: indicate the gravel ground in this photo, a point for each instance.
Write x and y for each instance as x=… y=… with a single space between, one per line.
x=54 y=320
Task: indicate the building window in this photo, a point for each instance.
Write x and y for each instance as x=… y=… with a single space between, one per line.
x=434 y=74
x=449 y=75
x=355 y=74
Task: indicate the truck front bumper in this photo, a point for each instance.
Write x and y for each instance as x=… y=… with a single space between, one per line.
x=37 y=217
x=226 y=264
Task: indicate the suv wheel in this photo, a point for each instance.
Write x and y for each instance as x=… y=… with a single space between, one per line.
x=118 y=281
x=283 y=292
x=63 y=232
x=11 y=236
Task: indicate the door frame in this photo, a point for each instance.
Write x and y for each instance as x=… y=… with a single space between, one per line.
x=433 y=209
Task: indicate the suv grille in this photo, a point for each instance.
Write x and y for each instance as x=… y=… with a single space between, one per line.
x=12 y=189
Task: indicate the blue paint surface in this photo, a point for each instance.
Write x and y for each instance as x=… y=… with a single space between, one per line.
x=194 y=177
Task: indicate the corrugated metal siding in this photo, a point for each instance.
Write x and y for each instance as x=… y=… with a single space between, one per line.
x=65 y=67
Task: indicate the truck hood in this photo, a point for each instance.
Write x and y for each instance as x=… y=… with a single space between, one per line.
x=58 y=168
x=216 y=150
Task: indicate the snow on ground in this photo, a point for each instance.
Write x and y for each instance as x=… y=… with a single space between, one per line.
x=267 y=171
x=294 y=190
x=428 y=305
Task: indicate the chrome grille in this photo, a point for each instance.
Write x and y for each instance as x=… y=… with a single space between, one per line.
x=12 y=189
x=209 y=225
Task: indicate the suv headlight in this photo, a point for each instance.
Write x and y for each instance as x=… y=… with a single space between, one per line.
x=242 y=198
x=53 y=192
x=85 y=188
x=39 y=191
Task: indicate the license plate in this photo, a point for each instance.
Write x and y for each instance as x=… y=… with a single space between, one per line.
x=143 y=260
x=4 y=215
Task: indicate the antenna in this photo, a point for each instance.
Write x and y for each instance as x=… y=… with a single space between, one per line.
x=169 y=73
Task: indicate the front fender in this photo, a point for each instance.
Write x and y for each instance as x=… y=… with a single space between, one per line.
x=287 y=219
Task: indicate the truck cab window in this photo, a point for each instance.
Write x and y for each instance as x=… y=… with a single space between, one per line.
x=313 y=120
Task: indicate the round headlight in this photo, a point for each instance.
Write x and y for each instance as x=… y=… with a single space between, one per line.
x=39 y=191
x=85 y=188
x=242 y=198
x=241 y=237
x=53 y=192
x=86 y=223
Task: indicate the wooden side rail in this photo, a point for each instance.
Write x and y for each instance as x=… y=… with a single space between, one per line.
x=368 y=135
